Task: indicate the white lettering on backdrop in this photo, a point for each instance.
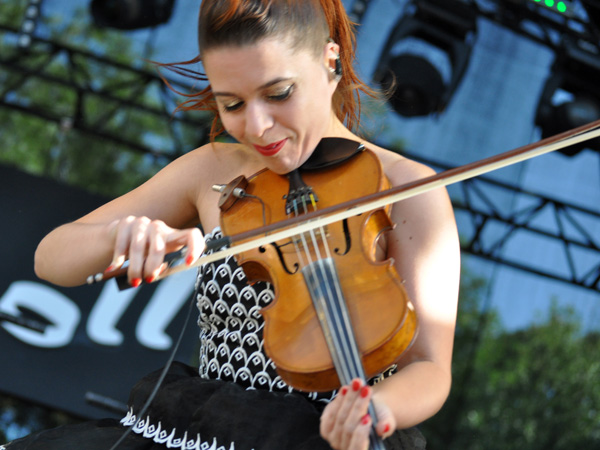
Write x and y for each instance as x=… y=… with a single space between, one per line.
x=64 y=314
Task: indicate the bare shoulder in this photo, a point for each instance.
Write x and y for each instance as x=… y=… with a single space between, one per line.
x=178 y=193
x=429 y=211
x=399 y=169
x=215 y=159
x=213 y=163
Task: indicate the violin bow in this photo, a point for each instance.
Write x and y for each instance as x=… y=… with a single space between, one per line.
x=287 y=228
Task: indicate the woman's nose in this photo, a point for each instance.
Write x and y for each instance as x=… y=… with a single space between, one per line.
x=258 y=120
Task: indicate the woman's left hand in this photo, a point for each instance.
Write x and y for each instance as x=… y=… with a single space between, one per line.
x=345 y=422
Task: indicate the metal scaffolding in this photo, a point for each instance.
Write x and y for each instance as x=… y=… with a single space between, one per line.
x=475 y=200
x=495 y=229
x=139 y=91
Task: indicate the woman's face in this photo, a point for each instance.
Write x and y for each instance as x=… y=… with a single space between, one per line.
x=274 y=99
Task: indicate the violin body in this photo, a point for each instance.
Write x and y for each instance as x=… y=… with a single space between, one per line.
x=383 y=320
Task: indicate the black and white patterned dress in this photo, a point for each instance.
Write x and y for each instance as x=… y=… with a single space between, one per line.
x=231 y=326
x=235 y=400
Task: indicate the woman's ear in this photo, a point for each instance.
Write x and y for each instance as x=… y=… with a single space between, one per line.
x=333 y=61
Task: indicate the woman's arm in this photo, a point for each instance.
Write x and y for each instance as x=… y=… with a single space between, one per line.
x=141 y=225
x=426 y=250
x=424 y=246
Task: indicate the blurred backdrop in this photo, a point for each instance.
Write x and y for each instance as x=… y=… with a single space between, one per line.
x=85 y=117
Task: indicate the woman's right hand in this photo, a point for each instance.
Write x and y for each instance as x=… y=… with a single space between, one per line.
x=145 y=242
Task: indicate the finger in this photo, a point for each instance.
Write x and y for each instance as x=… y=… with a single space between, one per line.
x=357 y=411
x=195 y=246
x=122 y=232
x=339 y=431
x=163 y=240
x=386 y=422
x=360 y=435
x=138 y=248
x=155 y=251
x=330 y=413
x=190 y=241
x=384 y=429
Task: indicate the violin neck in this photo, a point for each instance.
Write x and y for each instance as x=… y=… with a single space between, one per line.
x=324 y=287
x=325 y=291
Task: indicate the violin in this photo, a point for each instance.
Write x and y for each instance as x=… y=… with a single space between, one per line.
x=337 y=309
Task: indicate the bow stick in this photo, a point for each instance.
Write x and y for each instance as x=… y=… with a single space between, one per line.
x=300 y=224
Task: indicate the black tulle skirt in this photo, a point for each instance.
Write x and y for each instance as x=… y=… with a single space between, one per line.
x=192 y=413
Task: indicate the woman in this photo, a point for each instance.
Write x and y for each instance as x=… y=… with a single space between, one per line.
x=281 y=79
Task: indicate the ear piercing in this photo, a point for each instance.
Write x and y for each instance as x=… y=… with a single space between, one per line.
x=337 y=71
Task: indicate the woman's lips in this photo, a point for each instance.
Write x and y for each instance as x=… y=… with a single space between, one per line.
x=272 y=149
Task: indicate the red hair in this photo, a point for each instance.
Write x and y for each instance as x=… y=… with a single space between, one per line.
x=307 y=22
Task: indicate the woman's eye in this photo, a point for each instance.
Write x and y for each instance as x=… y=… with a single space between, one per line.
x=283 y=95
x=233 y=106
x=277 y=96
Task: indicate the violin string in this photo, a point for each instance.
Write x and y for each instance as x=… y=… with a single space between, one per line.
x=345 y=359
x=313 y=267
x=350 y=364
x=295 y=241
x=303 y=243
x=346 y=369
x=339 y=334
x=333 y=291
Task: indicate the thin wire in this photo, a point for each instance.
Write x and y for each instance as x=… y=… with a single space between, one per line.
x=264 y=213
x=295 y=242
x=160 y=379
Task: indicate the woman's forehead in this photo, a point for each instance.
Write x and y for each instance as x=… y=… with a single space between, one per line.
x=262 y=61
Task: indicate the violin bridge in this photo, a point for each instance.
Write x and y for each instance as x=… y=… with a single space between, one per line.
x=300 y=197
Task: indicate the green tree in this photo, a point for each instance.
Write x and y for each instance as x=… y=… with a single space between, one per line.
x=535 y=388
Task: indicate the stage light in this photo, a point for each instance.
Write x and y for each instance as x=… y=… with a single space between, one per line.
x=571 y=96
x=131 y=14
x=556 y=6
x=426 y=55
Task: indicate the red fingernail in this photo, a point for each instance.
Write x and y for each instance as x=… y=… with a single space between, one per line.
x=365 y=391
x=109 y=268
x=355 y=385
x=386 y=428
x=136 y=282
x=344 y=390
x=150 y=279
x=189 y=260
x=365 y=419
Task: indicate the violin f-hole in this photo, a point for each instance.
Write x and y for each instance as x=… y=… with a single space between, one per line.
x=347 y=237
x=282 y=260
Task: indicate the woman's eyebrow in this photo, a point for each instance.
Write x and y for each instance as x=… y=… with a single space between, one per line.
x=264 y=86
